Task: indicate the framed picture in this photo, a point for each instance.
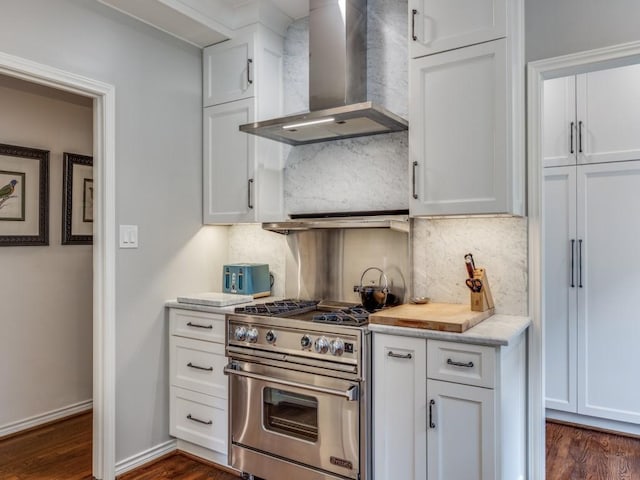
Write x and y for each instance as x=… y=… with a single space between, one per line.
x=24 y=196
x=77 y=199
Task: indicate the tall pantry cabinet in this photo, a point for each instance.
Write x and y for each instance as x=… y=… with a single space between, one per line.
x=590 y=204
x=466 y=141
x=242 y=83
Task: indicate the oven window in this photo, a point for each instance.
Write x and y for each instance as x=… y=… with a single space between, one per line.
x=290 y=414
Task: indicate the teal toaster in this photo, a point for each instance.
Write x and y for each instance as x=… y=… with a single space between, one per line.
x=247 y=279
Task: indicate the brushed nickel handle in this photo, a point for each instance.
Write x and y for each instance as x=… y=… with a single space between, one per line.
x=414 y=12
x=249 y=63
x=573 y=248
x=190 y=324
x=249 y=189
x=432 y=403
x=459 y=364
x=194 y=419
x=197 y=367
x=407 y=356
x=413 y=180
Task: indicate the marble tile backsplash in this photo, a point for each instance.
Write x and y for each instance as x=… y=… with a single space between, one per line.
x=498 y=244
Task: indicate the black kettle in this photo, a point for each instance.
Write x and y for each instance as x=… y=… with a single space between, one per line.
x=374 y=297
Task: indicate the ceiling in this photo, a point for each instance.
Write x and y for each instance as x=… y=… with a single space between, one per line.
x=293 y=8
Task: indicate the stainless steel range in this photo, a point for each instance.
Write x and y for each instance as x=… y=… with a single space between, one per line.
x=299 y=391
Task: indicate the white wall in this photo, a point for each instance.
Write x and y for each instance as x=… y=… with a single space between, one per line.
x=46 y=341
x=157 y=81
x=556 y=28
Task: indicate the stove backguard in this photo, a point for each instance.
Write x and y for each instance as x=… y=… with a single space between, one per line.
x=326 y=264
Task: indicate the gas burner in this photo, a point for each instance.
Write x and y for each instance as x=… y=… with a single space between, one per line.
x=348 y=316
x=281 y=307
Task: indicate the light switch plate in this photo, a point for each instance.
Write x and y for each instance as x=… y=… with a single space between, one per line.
x=128 y=236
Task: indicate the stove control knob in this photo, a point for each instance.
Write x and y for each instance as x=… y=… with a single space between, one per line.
x=321 y=345
x=252 y=335
x=240 y=333
x=271 y=337
x=336 y=347
x=305 y=342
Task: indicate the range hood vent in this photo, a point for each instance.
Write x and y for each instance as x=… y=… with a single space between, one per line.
x=337 y=82
x=392 y=219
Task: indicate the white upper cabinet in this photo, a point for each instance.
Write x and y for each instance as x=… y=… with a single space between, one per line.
x=439 y=25
x=242 y=173
x=466 y=135
x=229 y=71
x=592 y=117
x=461 y=160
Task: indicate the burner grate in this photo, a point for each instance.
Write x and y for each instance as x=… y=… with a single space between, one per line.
x=349 y=316
x=280 y=307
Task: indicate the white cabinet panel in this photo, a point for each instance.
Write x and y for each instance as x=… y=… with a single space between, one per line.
x=198 y=366
x=559 y=129
x=229 y=186
x=609 y=115
x=560 y=250
x=608 y=331
x=458 y=134
x=461 y=363
x=461 y=435
x=228 y=71
x=399 y=407
x=198 y=325
x=439 y=25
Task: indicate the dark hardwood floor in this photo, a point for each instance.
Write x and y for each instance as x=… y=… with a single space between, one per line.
x=581 y=454
x=62 y=451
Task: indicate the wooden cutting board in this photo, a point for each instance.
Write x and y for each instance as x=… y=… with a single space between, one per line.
x=446 y=317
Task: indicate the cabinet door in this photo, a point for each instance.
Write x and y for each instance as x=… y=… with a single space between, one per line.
x=461 y=436
x=399 y=407
x=560 y=129
x=439 y=25
x=608 y=330
x=228 y=172
x=609 y=115
x=560 y=285
x=458 y=134
x=228 y=71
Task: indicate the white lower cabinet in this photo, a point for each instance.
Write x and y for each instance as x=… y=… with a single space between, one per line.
x=447 y=410
x=199 y=388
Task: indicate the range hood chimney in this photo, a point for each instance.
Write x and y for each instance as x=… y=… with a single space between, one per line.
x=337 y=82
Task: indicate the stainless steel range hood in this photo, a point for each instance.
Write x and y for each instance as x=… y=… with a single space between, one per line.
x=337 y=82
x=391 y=219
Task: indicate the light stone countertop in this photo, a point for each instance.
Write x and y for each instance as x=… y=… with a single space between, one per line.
x=495 y=331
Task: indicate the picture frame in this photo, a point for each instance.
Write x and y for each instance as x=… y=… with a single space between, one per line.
x=77 y=199
x=24 y=196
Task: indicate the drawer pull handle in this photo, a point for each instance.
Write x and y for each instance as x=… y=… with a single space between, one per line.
x=459 y=364
x=194 y=419
x=398 y=355
x=432 y=402
x=414 y=12
x=208 y=369
x=189 y=324
x=249 y=79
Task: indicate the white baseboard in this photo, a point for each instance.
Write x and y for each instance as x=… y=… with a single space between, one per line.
x=203 y=453
x=46 y=417
x=147 y=456
x=594 y=422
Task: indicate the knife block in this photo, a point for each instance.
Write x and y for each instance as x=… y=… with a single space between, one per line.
x=483 y=300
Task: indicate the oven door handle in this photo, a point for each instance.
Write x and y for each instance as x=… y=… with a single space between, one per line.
x=352 y=393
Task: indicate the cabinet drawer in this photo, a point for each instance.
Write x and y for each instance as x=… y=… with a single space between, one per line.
x=199 y=419
x=461 y=363
x=198 y=366
x=198 y=325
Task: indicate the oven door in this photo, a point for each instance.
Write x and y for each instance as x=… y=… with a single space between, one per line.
x=304 y=417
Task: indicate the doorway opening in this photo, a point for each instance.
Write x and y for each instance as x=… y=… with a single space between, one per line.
x=102 y=96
